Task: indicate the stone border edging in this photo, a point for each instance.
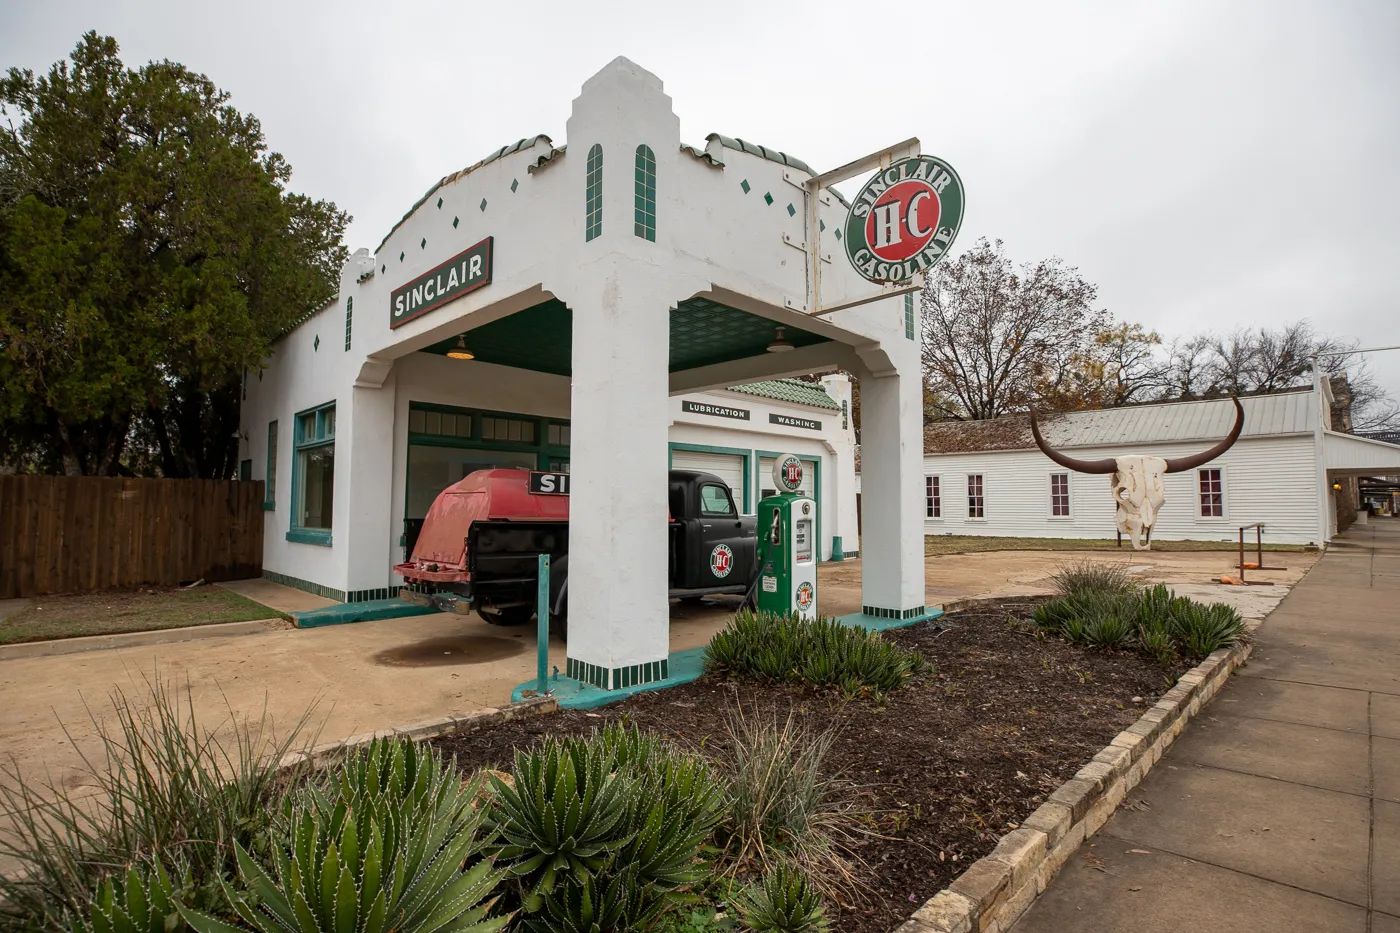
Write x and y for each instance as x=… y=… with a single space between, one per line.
x=321 y=756
x=162 y=636
x=994 y=891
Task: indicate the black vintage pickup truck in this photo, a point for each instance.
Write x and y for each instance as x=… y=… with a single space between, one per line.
x=478 y=547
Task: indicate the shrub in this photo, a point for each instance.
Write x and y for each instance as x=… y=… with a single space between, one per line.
x=780 y=803
x=167 y=789
x=784 y=902
x=1201 y=629
x=1154 y=621
x=822 y=653
x=611 y=805
x=1092 y=578
x=141 y=901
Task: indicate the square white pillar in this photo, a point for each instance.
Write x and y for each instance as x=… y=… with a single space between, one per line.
x=892 y=525
x=619 y=613
x=371 y=540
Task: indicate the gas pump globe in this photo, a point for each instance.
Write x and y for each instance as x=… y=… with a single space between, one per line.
x=787 y=540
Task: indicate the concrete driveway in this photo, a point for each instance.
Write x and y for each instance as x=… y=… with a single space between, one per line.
x=377 y=675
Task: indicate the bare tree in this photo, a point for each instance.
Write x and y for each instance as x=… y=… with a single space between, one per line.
x=997 y=338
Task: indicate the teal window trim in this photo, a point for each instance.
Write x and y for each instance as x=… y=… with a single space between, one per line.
x=644 y=207
x=593 y=195
x=546 y=453
x=909 y=315
x=270 y=476
x=816 y=460
x=296 y=533
x=349 y=316
x=749 y=502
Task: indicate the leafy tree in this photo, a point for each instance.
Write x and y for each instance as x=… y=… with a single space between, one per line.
x=149 y=253
x=997 y=338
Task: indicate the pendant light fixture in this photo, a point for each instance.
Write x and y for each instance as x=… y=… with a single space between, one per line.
x=459 y=350
x=780 y=343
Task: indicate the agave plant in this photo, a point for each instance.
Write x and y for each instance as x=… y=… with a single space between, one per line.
x=365 y=870
x=1201 y=629
x=141 y=901
x=784 y=902
x=821 y=652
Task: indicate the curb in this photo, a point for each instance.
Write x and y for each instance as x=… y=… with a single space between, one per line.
x=164 y=636
x=370 y=611
x=322 y=756
x=996 y=890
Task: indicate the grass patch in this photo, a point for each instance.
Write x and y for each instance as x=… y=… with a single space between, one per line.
x=939 y=545
x=115 y=611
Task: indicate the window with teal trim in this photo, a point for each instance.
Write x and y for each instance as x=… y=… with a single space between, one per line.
x=593 y=194
x=349 y=307
x=313 y=475
x=909 y=315
x=644 y=220
x=270 y=487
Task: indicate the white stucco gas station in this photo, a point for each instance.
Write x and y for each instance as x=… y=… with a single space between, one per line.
x=583 y=307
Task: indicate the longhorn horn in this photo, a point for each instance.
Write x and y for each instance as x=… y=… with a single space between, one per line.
x=1182 y=464
x=1107 y=465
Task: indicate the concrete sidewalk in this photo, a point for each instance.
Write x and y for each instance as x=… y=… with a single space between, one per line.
x=1278 y=810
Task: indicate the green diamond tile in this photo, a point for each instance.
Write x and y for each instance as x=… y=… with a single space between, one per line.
x=483 y=204
x=400 y=257
x=316 y=344
x=439 y=203
x=791 y=210
x=838 y=233
x=454 y=223
x=769 y=199
x=821 y=225
x=745 y=185
x=424 y=244
x=514 y=183
x=384 y=268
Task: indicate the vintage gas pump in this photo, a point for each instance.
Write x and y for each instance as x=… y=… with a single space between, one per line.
x=787 y=541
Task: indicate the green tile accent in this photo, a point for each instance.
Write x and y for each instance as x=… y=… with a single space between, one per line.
x=901 y=614
x=483 y=204
x=439 y=203
x=838 y=233
x=644 y=208
x=316 y=344
x=593 y=195
x=514 y=184
x=705 y=332
x=909 y=316
x=821 y=225
x=349 y=309
x=384 y=268
x=305 y=585
x=790 y=390
x=454 y=223
x=424 y=244
x=745 y=185
x=792 y=211
x=400 y=257
x=768 y=198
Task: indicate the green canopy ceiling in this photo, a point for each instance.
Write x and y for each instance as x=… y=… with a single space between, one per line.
x=703 y=333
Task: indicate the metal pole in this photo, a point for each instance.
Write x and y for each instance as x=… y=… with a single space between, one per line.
x=1241 y=553
x=542 y=627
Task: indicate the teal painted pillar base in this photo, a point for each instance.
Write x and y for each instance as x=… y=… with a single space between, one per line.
x=838 y=551
x=681 y=667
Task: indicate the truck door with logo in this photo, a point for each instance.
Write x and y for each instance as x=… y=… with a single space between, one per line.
x=727 y=543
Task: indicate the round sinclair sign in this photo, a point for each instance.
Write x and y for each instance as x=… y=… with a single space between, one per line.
x=787 y=473
x=905 y=219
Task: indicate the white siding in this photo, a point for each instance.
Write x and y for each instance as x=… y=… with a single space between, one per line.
x=1270 y=480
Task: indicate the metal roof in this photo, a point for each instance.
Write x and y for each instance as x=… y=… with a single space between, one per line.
x=797 y=391
x=1289 y=412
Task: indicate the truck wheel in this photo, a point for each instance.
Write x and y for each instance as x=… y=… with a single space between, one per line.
x=691 y=600
x=510 y=615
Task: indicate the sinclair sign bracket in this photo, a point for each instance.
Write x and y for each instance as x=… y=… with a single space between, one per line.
x=876 y=160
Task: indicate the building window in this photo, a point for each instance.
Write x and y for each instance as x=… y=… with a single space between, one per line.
x=1059 y=495
x=975 y=502
x=270 y=488
x=645 y=207
x=909 y=315
x=593 y=195
x=313 y=472
x=1212 y=493
x=349 y=307
x=933 y=498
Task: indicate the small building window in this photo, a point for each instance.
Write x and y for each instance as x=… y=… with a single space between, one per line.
x=313 y=471
x=645 y=207
x=975 y=502
x=933 y=498
x=593 y=194
x=349 y=307
x=1059 y=495
x=1212 y=493
x=715 y=501
x=245 y=470
x=270 y=488
x=909 y=315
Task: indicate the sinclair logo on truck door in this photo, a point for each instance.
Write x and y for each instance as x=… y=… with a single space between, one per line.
x=905 y=219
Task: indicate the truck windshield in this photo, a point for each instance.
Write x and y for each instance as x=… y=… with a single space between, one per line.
x=715 y=501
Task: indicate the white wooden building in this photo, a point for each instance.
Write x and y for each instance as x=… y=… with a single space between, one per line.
x=988 y=477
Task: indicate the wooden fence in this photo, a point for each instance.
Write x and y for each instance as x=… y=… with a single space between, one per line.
x=64 y=534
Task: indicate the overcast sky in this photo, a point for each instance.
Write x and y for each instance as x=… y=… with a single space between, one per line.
x=1208 y=165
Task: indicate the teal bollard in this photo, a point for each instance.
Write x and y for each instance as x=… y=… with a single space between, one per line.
x=542 y=626
x=838 y=552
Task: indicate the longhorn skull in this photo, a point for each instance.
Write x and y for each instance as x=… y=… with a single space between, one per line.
x=1137 y=479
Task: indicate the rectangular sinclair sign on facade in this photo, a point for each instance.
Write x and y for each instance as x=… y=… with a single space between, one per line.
x=465 y=272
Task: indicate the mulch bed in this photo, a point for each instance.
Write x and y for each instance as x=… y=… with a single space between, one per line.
x=950 y=763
